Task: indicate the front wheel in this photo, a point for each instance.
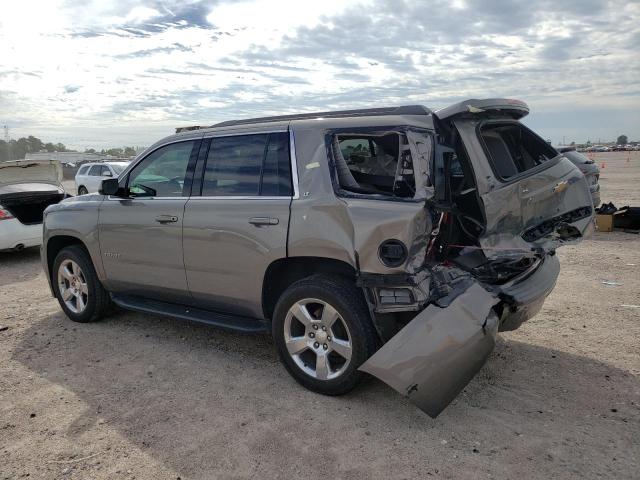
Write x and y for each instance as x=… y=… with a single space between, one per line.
x=323 y=333
x=76 y=286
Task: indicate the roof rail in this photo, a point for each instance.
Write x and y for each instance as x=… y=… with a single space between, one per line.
x=365 y=112
x=188 y=129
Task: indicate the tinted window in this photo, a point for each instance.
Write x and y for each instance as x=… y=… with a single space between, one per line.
x=577 y=157
x=105 y=172
x=248 y=165
x=118 y=169
x=162 y=173
x=95 y=170
x=514 y=149
x=83 y=170
x=276 y=172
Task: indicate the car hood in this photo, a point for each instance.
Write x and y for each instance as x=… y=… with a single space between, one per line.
x=30 y=171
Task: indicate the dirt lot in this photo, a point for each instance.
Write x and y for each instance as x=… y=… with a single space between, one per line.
x=143 y=397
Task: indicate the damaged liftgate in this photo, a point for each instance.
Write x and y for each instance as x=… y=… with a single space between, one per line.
x=434 y=356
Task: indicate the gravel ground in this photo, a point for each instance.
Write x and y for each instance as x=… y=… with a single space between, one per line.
x=143 y=397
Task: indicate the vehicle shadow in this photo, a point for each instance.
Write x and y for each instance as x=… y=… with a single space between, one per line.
x=25 y=263
x=208 y=403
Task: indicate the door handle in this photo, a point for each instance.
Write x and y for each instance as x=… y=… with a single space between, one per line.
x=263 y=221
x=166 y=219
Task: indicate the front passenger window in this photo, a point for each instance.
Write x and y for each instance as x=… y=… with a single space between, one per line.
x=162 y=173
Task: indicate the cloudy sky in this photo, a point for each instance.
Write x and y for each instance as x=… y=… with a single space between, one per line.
x=105 y=73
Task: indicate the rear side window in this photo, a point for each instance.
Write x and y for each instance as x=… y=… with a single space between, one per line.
x=95 y=170
x=83 y=170
x=377 y=164
x=513 y=149
x=248 y=165
x=276 y=170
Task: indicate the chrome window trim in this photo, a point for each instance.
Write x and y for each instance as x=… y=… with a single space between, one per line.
x=242 y=197
x=292 y=158
x=235 y=197
x=111 y=197
x=136 y=161
x=294 y=165
x=241 y=133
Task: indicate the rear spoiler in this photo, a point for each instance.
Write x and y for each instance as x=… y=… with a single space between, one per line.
x=491 y=106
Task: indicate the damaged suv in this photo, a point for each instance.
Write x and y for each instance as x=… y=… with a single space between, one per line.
x=391 y=241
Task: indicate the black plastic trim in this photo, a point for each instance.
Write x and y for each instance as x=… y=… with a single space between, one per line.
x=221 y=320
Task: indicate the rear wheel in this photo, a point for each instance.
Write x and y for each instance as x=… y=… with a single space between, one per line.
x=323 y=333
x=82 y=191
x=76 y=286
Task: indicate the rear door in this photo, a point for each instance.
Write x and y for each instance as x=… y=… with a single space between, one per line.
x=93 y=178
x=533 y=198
x=236 y=223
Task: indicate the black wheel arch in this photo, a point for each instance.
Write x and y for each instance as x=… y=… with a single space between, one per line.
x=286 y=271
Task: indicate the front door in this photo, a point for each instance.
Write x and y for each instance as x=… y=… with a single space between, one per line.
x=238 y=225
x=141 y=235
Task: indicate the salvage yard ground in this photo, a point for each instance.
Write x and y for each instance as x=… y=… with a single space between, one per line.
x=144 y=397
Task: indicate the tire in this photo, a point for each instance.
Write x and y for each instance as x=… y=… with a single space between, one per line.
x=95 y=303
x=82 y=190
x=353 y=325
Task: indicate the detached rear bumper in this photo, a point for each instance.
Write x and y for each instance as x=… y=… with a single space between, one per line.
x=438 y=352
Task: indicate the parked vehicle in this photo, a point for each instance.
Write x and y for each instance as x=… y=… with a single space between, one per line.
x=27 y=187
x=393 y=241
x=90 y=175
x=588 y=168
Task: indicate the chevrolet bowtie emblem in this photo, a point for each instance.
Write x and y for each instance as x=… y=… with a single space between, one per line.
x=560 y=186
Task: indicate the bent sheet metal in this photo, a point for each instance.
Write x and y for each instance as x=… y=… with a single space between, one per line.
x=438 y=352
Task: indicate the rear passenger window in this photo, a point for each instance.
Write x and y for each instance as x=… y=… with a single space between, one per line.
x=83 y=170
x=276 y=172
x=513 y=149
x=95 y=170
x=248 y=165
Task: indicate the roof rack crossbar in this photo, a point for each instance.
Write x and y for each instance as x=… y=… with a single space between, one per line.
x=365 y=112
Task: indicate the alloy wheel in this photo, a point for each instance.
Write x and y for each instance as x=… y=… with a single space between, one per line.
x=73 y=286
x=317 y=339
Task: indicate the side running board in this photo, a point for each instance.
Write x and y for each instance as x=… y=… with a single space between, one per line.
x=221 y=320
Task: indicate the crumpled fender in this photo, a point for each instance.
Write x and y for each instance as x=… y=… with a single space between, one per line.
x=438 y=352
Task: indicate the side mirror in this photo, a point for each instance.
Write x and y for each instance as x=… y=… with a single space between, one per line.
x=109 y=187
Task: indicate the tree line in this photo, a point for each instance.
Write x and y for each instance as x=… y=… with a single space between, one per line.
x=17 y=149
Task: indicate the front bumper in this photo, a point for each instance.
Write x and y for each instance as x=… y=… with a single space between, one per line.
x=437 y=353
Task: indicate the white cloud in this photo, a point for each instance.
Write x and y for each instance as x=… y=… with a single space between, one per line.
x=96 y=72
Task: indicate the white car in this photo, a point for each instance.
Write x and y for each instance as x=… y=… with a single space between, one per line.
x=90 y=175
x=27 y=187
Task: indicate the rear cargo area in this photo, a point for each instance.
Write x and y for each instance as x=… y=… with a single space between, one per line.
x=28 y=207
